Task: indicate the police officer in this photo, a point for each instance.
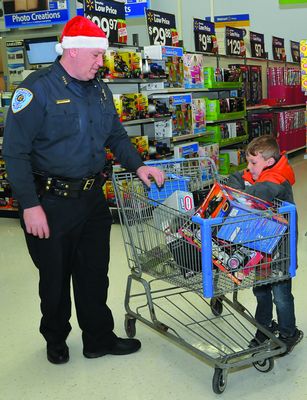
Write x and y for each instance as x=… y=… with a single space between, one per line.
x=60 y=120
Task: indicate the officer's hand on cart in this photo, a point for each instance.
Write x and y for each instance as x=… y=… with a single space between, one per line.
x=36 y=222
x=146 y=172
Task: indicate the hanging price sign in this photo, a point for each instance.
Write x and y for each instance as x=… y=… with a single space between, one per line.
x=204 y=36
x=234 y=42
x=161 y=28
x=278 y=46
x=110 y=17
x=257 y=45
x=295 y=51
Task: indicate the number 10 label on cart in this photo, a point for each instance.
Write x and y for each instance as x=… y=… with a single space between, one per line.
x=110 y=17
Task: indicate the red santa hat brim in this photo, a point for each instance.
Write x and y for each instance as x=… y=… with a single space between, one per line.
x=80 y=32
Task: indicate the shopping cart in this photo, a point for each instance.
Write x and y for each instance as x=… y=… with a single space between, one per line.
x=178 y=283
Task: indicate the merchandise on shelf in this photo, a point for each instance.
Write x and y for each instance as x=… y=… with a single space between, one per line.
x=186 y=150
x=163 y=62
x=193 y=71
x=226 y=108
x=251 y=82
x=284 y=85
x=222 y=77
x=180 y=122
x=199 y=115
x=121 y=64
x=157 y=108
x=142 y=146
x=236 y=156
x=159 y=148
x=291 y=129
x=226 y=133
x=260 y=124
x=130 y=106
x=210 y=150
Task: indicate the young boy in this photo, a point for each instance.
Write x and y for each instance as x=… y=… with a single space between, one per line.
x=269 y=176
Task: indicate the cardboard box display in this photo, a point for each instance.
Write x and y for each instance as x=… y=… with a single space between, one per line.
x=180 y=107
x=193 y=65
x=199 y=115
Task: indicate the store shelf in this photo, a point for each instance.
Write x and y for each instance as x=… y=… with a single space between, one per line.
x=236 y=140
x=294 y=150
x=8 y=212
x=144 y=121
x=119 y=81
x=186 y=137
x=274 y=107
x=224 y=120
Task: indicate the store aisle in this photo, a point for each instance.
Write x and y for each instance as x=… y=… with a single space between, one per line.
x=161 y=370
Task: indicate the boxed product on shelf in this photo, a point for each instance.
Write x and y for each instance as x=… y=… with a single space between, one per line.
x=226 y=108
x=186 y=150
x=199 y=115
x=226 y=133
x=142 y=146
x=159 y=148
x=157 y=108
x=121 y=64
x=180 y=123
x=236 y=156
x=163 y=62
x=131 y=106
x=193 y=71
x=210 y=150
x=222 y=77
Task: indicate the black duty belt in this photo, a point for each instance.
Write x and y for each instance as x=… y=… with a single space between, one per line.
x=65 y=187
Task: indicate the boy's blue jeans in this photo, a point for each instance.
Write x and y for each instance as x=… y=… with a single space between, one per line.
x=280 y=294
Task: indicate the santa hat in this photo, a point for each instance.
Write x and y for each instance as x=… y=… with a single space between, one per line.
x=80 y=32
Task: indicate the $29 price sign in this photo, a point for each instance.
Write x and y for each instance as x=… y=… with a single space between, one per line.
x=161 y=28
x=234 y=42
x=110 y=17
x=204 y=36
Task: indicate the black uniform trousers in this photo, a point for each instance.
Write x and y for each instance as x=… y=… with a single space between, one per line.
x=77 y=251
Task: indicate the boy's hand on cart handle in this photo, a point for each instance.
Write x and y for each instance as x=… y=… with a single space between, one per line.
x=145 y=173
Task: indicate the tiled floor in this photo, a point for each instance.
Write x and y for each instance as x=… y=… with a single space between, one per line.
x=161 y=370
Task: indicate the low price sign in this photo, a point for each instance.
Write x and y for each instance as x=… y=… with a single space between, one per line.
x=234 y=41
x=295 y=51
x=161 y=28
x=279 y=52
x=257 y=45
x=110 y=17
x=204 y=36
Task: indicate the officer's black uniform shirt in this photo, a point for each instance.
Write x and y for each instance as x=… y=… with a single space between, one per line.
x=62 y=132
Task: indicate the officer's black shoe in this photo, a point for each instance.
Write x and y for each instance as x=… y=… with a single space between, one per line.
x=119 y=348
x=58 y=354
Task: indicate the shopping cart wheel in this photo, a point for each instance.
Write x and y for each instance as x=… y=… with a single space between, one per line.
x=219 y=380
x=130 y=326
x=216 y=306
x=265 y=365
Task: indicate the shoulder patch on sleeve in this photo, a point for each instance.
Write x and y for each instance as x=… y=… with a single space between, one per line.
x=21 y=99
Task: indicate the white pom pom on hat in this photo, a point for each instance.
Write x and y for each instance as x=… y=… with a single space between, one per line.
x=80 y=32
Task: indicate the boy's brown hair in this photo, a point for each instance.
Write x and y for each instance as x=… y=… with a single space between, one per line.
x=265 y=145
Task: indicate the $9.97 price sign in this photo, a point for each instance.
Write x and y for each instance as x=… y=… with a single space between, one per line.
x=161 y=28
x=257 y=45
x=204 y=36
x=110 y=17
x=234 y=41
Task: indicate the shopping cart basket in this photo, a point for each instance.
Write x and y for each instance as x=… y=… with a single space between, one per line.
x=178 y=281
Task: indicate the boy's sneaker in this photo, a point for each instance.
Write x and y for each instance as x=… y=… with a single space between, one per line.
x=291 y=341
x=261 y=337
